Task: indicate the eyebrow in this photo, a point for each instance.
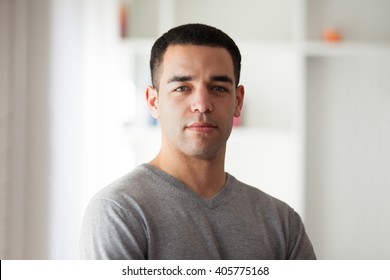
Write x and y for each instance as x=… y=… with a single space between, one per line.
x=221 y=78
x=179 y=79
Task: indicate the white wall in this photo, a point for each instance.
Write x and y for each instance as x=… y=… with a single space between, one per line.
x=66 y=31
x=348 y=157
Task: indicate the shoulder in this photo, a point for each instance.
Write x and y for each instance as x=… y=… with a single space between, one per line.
x=119 y=196
x=142 y=189
x=113 y=225
x=278 y=217
x=254 y=195
x=264 y=206
x=130 y=186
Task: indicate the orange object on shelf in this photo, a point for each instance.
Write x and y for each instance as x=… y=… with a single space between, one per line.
x=331 y=35
x=123 y=19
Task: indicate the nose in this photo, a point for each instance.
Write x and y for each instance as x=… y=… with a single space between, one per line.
x=201 y=101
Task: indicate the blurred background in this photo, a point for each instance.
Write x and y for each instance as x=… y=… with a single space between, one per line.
x=315 y=130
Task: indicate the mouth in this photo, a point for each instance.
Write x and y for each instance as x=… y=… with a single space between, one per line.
x=202 y=127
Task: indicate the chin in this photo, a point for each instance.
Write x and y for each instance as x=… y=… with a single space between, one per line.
x=204 y=153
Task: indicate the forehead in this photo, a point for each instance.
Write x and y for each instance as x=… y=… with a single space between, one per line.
x=196 y=58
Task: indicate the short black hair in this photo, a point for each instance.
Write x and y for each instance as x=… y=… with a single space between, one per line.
x=193 y=34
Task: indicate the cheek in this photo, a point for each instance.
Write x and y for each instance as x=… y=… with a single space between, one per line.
x=229 y=110
x=170 y=117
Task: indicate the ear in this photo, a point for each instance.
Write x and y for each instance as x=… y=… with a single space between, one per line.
x=152 y=101
x=240 y=92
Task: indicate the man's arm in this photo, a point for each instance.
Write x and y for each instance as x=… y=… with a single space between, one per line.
x=300 y=247
x=111 y=232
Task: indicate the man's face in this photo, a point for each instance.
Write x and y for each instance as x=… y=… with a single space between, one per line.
x=196 y=100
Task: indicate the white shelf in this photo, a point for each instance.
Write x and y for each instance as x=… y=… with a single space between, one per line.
x=311 y=48
x=317 y=48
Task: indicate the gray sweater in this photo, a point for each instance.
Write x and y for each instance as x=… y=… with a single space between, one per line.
x=148 y=214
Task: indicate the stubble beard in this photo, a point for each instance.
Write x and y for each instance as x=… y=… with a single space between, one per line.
x=202 y=149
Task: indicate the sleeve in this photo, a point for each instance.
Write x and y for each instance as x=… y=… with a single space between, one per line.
x=110 y=232
x=299 y=245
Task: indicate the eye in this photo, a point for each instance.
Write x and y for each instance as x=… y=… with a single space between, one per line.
x=219 y=89
x=181 y=89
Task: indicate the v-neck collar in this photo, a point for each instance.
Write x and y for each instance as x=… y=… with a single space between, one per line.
x=212 y=202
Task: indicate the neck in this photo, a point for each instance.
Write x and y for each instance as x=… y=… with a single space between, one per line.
x=205 y=177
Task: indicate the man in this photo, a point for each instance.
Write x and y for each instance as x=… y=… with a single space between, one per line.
x=182 y=204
